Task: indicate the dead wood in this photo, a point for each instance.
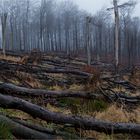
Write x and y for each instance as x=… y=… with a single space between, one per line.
x=123 y=83
x=22 y=131
x=7 y=88
x=119 y=97
x=39 y=128
x=4 y=65
x=36 y=111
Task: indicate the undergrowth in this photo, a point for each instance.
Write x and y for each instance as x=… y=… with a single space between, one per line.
x=81 y=106
x=5 y=132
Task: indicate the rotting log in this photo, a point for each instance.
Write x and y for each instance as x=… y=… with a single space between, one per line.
x=24 y=132
x=44 y=129
x=7 y=88
x=38 y=69
x=123 y=83
x=120 y=97
x=9 y=102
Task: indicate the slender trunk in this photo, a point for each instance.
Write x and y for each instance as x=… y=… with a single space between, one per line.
x=116 y=34
x=88 y=42
x=3 y=21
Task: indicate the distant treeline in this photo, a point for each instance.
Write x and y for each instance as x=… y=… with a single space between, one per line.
x=49 y=25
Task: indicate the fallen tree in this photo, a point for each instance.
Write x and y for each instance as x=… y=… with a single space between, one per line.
x=123 y=83
x=24 y=132
x=7 y=88
x=39 y=128
x=119 y=97
x=5 y=65
x=9 y=102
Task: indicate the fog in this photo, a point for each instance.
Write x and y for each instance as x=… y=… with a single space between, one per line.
x=93 y=6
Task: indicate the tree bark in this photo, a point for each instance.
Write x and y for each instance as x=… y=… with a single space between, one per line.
x=116 y=34
x=7 y=88
x=38 y=69
x=45 y=130
x=21 y=131
x=88 y=41
x=14 y=90
x=36 y=111
x=3 y=21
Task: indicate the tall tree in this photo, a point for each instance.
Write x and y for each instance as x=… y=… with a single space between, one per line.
x=3 y=22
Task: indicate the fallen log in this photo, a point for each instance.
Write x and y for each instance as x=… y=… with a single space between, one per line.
x=13 y=53
x=9 y=102
x=63 y=71
x=126 y=84
x=38 y=69
x=41 y=70
x=119 y=97
x=21 y=131
x=7 y=88
x=60 y=66
x=45 y=130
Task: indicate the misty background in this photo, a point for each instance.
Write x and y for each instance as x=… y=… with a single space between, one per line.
x=93 y=6
x=62 y=26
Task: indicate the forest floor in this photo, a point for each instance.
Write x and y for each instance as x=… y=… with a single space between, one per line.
x=117 y=96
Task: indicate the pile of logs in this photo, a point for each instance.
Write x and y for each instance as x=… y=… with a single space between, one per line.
x=32 y=131
x=10 y=89
x=9 y=102
x=42 y=73
x=13 y=97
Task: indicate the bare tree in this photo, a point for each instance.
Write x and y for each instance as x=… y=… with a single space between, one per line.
x=88 y=46
x=62 y=27
x=3 y=21
x=116 y=33
x=116 y=13
x=4 y=13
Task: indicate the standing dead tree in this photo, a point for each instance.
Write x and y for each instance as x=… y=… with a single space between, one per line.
x=116 y=33
x=88 y=22
x=116 y=13
x=3 y=22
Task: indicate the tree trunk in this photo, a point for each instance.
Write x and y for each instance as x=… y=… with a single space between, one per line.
x=21 y=131
x=36 y=111
x=3 y=21
x=88 y=42
x=116 y=34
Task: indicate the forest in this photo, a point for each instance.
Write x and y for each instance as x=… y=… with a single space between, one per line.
x=66 y=73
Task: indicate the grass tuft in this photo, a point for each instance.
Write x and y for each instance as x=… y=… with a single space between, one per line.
x=5 y=132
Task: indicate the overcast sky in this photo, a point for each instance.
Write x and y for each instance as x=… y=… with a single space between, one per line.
x=94 y=5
